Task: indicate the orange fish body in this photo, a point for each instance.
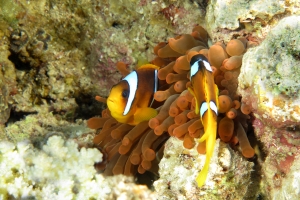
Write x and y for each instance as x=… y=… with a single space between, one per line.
x=206 y=94
x=130 y=100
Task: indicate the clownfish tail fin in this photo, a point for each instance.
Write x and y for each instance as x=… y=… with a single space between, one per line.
x=201 y=178
x=210 y=145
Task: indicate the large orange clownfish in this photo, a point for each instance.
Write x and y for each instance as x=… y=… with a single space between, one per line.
x=130 y=100
x=205 y=92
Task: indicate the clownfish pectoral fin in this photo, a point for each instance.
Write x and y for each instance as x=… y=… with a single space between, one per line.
x=147 y=66
x=193 y=93
x=144 y=114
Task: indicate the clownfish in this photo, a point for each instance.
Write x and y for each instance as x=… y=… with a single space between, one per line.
x=205 y=92
x=130 y=100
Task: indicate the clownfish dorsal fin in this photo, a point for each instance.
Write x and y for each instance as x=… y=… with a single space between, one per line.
x=148 y=66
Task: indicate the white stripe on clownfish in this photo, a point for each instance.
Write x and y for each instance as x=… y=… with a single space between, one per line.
x=204 y=108
x=132 y=80
x=214 y=107
x=195 y=66
x=155 y=85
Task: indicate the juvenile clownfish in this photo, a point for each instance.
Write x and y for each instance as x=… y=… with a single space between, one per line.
x=205 y=92
x=130 y=100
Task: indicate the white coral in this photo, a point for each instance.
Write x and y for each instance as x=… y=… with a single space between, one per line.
x=59 y=171
x=53 y=173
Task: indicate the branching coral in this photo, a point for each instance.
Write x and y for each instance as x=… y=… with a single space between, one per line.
x=58 y=171
x=177 y=115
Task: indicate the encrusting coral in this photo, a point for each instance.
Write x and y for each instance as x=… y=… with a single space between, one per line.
x=133 y=148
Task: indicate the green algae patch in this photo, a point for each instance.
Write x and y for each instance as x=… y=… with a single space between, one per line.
x=9 y=11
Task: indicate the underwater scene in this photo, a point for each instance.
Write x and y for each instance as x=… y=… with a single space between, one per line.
x=150 y=99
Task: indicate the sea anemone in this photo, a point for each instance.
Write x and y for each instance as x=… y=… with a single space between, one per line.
x=132 y=149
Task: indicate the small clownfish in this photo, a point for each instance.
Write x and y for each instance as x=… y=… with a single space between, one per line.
x=130 y=100
x=205 y=92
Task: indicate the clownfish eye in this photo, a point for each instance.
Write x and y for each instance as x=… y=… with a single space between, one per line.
x=125 y=93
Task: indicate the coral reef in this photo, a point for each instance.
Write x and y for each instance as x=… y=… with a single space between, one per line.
x=227 y=19
x=269 y=84
x=59 y=171
x=64 y=53
x=56 y=55
x=229 y=175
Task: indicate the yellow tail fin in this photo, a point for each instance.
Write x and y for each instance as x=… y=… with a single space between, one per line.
x=210 y=145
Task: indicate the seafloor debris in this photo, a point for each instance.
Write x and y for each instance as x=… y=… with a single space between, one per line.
x=134 y=148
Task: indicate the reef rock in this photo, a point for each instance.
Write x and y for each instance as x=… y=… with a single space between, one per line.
x=228 y=18
x=7 y=81
x=228 y=176
x=269 y=83
x=270 y=74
